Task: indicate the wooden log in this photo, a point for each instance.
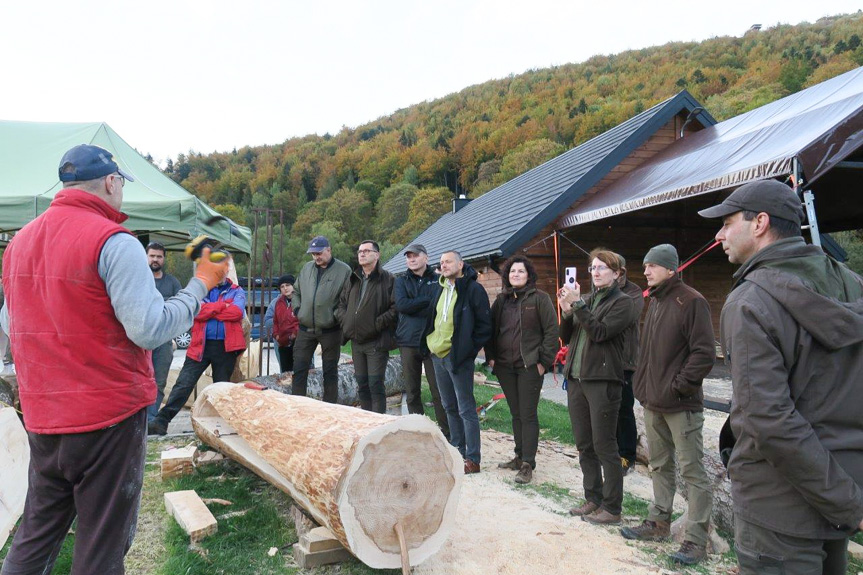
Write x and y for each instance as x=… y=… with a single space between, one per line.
x=357 y=473
x=177 y=462
x=14 y=463
x=191 y=513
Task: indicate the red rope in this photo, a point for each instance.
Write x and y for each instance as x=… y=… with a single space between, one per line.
x=689 y=262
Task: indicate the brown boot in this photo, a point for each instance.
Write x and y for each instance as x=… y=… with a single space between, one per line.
x=689 y=553
x=470 y=466
x=601 y=517
x=585 y=508
x=648 y=531
x=525 y=474
x=514 y=464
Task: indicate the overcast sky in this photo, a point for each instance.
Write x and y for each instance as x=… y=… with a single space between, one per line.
x=211 y=75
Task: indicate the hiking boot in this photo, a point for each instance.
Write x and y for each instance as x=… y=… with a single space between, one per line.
x=514 y=464
x=627 y=465
x=585 y=508
x=470 y=466
x=157 y=427
x=601 y=517
x=689 y=553
x=648 y=531
x=525 y=474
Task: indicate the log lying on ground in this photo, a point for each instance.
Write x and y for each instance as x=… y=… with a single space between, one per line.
x=393 y=382
x=14 y=463
x=358 y=473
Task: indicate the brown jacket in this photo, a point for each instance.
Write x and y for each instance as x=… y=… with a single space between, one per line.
x=602 y=356
x=537 y=320
x=677 y=349
x=630 y=336
x=793 y=330
x=374 y=318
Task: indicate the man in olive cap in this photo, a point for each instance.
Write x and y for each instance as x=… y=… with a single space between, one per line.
x=676 y=353
x=793 y=330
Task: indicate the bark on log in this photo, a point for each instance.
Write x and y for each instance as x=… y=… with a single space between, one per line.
x=356 y=472
x=14 y=463
x=393 y=382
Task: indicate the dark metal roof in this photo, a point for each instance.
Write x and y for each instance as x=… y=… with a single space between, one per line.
x=502 y=220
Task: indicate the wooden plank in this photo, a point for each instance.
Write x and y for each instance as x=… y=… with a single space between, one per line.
x=307 y=559
x=208 y=457
x=191 y=514
x=177 y=462
x=855 y=550
x=319 y=539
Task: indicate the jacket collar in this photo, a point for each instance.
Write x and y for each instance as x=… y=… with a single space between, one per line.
x=77 y=198
x=662 y=289
x=778 y=250
x=375 y=272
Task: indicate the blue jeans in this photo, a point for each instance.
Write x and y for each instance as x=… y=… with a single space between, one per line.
x=456 y=393
x=162 y=358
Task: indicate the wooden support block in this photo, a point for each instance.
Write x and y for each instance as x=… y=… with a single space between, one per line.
x=176 y=462
x=302 y=522
x=208 y=457
x=855 y=550
x=320 y=539
x=191 y=513
x=307 y=559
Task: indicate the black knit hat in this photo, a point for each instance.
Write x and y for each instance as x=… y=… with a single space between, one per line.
x=287 y=279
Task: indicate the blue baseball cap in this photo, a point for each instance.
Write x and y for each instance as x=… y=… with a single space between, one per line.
x=317 y=245
x=85 y=162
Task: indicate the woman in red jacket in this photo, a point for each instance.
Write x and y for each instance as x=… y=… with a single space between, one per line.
x=285 y=323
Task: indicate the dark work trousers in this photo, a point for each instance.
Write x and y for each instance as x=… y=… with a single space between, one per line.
x=223 y=366
x=286 y=358
x=593 y=408
x=627 y=431
x=522 y=387
x=95 y=475
x=761 y=551
x=162 y=358
x=412 y=363
x=304 y=350
x=370 y=367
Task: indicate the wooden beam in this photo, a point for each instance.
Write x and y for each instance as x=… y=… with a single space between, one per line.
x=177 y=462
x=191 y=514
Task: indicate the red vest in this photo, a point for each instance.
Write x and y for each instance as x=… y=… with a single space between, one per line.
x=77 y=370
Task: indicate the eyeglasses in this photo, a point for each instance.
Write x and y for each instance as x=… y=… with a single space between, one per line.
x=122 y=178
x=599 y=269
x=366 y=252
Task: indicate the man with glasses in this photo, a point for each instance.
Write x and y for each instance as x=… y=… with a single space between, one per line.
x=368 y=316
x=316 y=299
x=168 y=286
x=677 y=352
x=82 y=311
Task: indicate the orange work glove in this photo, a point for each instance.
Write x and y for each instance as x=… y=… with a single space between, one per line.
x=209 y=272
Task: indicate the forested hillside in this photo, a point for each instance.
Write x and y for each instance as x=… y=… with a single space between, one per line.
x=391 y=178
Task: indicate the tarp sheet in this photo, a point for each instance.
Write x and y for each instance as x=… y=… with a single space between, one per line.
x=820 y=126
x=30 y=153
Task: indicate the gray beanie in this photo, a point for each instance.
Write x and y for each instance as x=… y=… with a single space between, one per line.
x=664 y=255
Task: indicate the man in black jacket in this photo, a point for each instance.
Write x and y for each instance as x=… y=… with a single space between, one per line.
x=367 y=314
x=459 y=326
x=414 y=291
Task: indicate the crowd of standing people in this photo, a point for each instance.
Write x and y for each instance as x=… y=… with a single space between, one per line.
x=85 y=304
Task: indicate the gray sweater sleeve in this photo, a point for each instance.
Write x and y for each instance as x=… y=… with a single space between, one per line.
x=149 y=319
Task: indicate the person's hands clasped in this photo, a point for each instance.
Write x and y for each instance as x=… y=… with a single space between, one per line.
x=211 y=273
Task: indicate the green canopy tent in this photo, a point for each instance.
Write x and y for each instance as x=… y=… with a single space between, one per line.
x=157 y=207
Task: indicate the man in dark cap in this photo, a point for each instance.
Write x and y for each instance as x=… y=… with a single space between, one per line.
x=82 y=312
x=315 y=301
x=793 y=330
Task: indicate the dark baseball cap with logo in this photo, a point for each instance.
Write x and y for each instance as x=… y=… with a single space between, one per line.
x=86 y=162
x=768 y=196
x=317 y=245
x=416 y=249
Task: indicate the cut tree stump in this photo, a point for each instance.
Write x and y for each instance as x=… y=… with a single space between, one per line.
x=191 y=513
x=357 y=473
x=14 y=463
x=177 y=462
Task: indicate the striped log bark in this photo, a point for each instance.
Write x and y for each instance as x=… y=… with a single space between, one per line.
x=358 y=473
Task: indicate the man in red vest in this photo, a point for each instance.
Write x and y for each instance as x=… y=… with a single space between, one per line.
x=83 y=313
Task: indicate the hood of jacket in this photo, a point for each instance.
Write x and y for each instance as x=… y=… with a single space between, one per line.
x=468 y=274
x=822 y=295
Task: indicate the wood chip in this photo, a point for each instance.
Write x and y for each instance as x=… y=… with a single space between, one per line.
x=272 y=552
x=216 y=501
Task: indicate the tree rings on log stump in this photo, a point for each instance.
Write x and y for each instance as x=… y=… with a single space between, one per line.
x=356 y=472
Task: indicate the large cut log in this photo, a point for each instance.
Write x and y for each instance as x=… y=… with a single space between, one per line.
x=14 y=462
x=356 y=472
x=393 y=382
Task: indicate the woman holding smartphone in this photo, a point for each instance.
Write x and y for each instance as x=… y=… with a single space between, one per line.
x=594 y=326
x=521 y=351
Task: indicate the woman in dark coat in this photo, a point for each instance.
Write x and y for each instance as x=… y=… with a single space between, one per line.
x=521 y=350
x=594 y=327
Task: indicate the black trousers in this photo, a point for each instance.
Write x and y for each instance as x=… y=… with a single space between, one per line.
x=223 y=366
x=304 y=349
x=593 y=408
x=286 y=358
x=627 y=431
x=522 y=387
x=96 y=476
x=370 y=367
x=412 y=364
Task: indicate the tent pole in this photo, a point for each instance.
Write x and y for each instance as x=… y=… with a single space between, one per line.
x=808 y=202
